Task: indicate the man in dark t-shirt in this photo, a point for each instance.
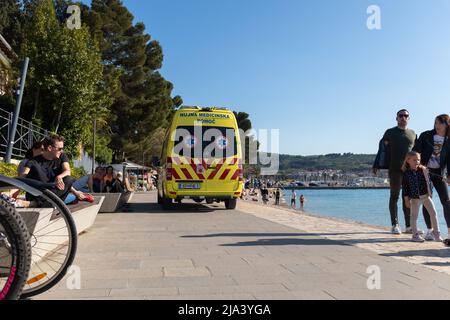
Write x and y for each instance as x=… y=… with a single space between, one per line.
x=400 y=140
x=51 y=166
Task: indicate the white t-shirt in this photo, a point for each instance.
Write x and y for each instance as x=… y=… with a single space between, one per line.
x=294 y=195
x=435 y=160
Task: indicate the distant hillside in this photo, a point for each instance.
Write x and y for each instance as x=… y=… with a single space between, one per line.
x=346 y=162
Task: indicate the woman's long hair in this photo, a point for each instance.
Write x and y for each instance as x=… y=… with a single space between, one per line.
x=444 y=119
x=36 y=145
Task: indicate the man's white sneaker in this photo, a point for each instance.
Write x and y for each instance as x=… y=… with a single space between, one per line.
x=396 y=230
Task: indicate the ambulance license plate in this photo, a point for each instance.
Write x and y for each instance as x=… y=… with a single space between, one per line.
x=189 y=186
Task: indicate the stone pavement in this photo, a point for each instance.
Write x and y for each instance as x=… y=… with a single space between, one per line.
x=254 y=252
x=433 y=255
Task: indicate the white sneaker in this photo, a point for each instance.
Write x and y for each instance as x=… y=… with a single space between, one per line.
x=396 y=230
x=429 y=236
x=417 y=238
x=437 y=236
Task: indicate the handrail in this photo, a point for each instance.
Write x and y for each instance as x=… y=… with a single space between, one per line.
x=26 y=134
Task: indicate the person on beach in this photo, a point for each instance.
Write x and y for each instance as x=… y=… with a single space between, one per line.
x=398 y=141
x=265 y=194
x=302 y=202
x=293 y=199
x=417 y=192
x=277 y=197
x=434 y=147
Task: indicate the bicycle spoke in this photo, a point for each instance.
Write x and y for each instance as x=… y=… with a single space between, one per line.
x=43 y=260
x=41 y=235
x=46 y=226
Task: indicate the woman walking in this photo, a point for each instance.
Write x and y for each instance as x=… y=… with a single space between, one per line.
x=434 y=147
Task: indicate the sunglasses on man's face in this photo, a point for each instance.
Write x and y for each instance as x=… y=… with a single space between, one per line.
x=403 y=115
x=57 y=149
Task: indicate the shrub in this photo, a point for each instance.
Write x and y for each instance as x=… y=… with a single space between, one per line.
x=9 y=170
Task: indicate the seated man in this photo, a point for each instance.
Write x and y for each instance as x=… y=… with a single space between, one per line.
x=51 y=166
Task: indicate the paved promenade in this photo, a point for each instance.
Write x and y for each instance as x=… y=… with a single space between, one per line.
x=254 y=252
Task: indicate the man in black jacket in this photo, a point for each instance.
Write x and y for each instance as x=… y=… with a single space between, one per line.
x=398 y=141
x=434 y=147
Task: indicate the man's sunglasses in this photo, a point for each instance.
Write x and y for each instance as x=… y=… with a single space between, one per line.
x=403 y=115
x=57 y=149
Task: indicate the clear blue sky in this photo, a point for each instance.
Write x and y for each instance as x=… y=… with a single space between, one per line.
x=310 y=68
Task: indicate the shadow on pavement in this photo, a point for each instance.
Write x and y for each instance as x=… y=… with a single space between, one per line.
x=154 y=208
x=441 y=253
x=286 y=242
x=437 y=264
x=249 y=234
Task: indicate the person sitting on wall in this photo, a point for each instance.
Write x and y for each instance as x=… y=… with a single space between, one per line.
x=97 y=180
x=51 y=166
x=110 y=181
x=34 y=151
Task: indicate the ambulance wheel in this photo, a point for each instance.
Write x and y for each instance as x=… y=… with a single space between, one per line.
x=166 y=203
x=209 y=200
x=198 y=200
x=230 y=204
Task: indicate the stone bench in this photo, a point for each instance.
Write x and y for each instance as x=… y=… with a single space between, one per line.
x=113 y=201
x=51 y=229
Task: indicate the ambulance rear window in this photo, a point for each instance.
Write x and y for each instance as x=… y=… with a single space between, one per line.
x=210 y=142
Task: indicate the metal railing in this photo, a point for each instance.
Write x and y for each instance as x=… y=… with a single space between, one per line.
x=26 y=134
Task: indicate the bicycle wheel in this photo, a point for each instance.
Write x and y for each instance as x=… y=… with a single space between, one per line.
x=15 y=252
x=53 y=243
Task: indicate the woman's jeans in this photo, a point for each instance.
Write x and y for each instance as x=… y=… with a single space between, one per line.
x=441 y=187
x=429 y=205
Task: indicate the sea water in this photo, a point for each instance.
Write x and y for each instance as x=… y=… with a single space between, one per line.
x=370 y=206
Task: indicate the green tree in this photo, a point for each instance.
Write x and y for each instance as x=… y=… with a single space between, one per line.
x=65 y=75
x=11 y=21
x=142 y=100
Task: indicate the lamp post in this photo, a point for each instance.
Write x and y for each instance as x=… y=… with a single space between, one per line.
x=12 y=131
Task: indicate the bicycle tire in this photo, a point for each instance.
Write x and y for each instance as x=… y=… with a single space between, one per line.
x=18 y=246
x=47 y=282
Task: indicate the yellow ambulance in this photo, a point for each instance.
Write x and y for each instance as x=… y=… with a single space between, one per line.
x=201 y=158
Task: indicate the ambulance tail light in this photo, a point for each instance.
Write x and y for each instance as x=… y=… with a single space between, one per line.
x=169 y=168
x=241 y=172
